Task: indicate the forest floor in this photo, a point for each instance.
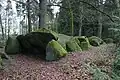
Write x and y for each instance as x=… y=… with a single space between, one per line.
x=71 y=67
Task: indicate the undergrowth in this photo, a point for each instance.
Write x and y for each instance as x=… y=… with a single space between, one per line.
x=105 y=66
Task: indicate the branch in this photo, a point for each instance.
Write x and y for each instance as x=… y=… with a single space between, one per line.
x=89 y=5
x=58 y=6
x=98 y=10
x=20 y=2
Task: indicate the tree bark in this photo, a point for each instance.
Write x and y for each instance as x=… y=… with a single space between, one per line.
x=100 y=19
x=2 y=27
x=29 y=17
x=118 y=7
x=81 y=16
x=39 y=13
x=42 y=13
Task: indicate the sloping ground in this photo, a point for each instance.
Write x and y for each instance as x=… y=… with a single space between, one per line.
x=72 y=67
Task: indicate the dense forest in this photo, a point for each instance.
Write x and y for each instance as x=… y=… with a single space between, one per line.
x=59 y=40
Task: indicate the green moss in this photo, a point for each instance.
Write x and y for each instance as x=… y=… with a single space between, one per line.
x=95 y=41
x=54 y=51
x=84 y=45
x=44 y=30
x=83 y=42
x=12 y=46
x=72 y=46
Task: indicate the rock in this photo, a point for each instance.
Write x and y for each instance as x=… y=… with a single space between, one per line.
x=24 y=44
x=83 y=42
x=78 y=43
x=84 y=45
x=62 y=39
x=12 y=46
x=95 y=41
x=108 y=40
x=72 y=46
x=36 y=42
x=4 y=55
x=54 y=51
x=44 y=30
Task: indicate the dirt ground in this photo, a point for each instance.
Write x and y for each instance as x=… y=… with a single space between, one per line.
x=71 y=67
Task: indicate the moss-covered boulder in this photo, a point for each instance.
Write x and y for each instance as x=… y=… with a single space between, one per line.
x=72 y=46
x=62 y=39
x=54 y=51
x=12 y=46
x=24 y=44
x=84 y=45
x=108 y=40
x=44 y=30
x=83 y=40
x=35 y=42
x=95 y=41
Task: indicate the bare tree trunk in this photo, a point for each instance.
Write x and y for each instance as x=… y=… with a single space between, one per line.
x=71 y=18
x=29 y=17
x=43 y=12
x=2 y=27
x=39 y=13
x=6 y=26
x=100 y=19
x=118 y=7
x=81 y=16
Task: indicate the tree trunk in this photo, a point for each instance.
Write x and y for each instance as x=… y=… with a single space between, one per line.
x=6 y=26
x=39 y=13
x=29 y=17
x=71 y=18
x=118 y=7
x=2 y=27
x=100 y=19
x=81 y=16
x=42 y=13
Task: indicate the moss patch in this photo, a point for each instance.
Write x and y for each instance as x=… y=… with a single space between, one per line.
x=44 y=30
x=84 y=45
x=72 y=46
x=83 y=42
x=95 y=41
x=54 y=51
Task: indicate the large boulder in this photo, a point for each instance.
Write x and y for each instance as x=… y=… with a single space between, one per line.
x=54 y=51
x=72 y=46
x=84 y=46
x=36 y=42
x=62 y=39
x=95 y=41
x=12 y=46
x=83 y=42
